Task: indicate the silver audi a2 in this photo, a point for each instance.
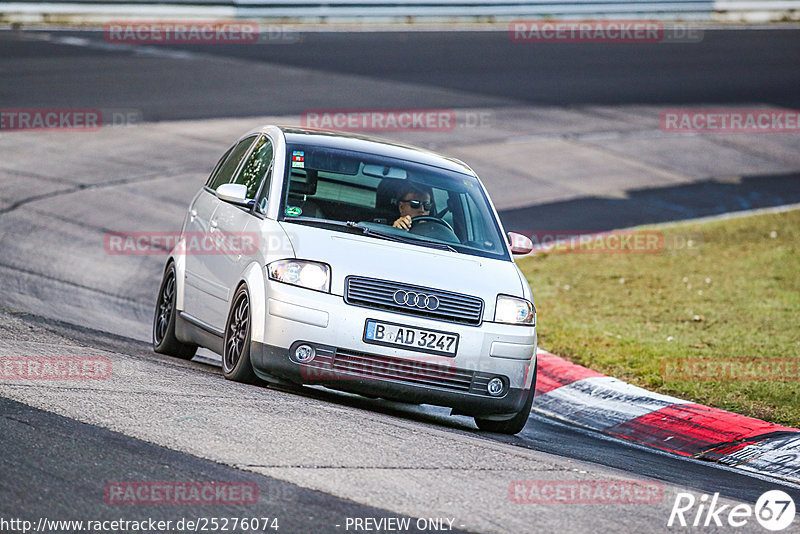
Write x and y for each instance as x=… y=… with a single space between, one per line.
x=315 y=257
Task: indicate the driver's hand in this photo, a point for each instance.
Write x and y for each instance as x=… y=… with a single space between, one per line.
x=403 y=222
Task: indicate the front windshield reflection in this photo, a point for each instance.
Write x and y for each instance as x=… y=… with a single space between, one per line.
x=408 y=200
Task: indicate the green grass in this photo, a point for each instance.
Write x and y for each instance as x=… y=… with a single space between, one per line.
x=733 y=294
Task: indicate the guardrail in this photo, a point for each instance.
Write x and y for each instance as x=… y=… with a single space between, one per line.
x=405 y=11
x=476 y=8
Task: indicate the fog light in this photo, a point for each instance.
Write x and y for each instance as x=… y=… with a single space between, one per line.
x=495 y=387
x=304 y=353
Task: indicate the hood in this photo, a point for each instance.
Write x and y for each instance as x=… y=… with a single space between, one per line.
x=350 y=254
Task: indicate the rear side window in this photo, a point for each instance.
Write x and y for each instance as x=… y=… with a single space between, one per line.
x=225 y=172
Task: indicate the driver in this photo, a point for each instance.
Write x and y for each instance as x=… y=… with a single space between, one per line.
x=411 y=202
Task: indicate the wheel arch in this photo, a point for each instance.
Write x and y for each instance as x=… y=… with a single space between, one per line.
x=253 y=278
x=179 y=260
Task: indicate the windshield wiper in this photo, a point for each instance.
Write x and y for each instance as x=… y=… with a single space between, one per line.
x=401 y=239
x=374 y=233
x=348 y=224
x=371 y=232
x=314 y=220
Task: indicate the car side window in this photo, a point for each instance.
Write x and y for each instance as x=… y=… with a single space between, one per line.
x=256 y=169
x=226 y=170
x=440 y=201
x=213 y=176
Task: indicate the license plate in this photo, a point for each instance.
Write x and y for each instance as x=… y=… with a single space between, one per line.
x=410 y=338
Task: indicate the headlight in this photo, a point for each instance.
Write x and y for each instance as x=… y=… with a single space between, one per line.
x=308 y=274
x=513 y=310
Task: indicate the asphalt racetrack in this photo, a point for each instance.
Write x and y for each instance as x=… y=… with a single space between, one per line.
x=320 y=458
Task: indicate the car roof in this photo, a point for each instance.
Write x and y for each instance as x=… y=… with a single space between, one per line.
x=372 y=145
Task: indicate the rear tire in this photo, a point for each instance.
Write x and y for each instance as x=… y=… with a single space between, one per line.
x=516 y=423
x=164 y=340
x=236 y=363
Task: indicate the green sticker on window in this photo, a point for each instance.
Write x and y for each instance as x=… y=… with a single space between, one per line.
x=294 y=211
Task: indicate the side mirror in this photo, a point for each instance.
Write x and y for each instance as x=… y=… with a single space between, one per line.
x=233 y=193
x=520 y=244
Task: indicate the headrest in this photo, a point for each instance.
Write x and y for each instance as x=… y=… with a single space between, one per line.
x=386 y=193
x=303 y=182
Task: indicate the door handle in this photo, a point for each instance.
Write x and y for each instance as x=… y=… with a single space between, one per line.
x=213 y=225
x=192 y=215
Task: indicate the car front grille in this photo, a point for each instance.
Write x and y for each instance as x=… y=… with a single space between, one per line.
x=336 y=364
x=397 y=297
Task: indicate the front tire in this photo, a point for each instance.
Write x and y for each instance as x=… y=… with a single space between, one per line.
x=236 y=363
x=164 y=340
x=516 y=423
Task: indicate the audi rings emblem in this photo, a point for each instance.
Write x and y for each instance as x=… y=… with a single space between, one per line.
x=416 y=300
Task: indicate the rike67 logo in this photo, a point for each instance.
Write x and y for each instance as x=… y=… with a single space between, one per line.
x=774 y=510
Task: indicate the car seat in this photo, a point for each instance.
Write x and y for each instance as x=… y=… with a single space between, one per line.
x=385 y=201
x=302 y=185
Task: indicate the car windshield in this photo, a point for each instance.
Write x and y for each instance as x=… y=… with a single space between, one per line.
x=446 y=209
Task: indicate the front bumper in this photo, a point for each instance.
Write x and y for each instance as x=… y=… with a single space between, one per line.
x=346 y=362
x=387 y=379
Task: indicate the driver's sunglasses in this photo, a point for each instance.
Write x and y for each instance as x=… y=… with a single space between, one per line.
x=417 y=204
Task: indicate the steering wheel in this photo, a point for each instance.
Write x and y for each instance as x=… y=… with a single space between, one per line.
x=431 y=218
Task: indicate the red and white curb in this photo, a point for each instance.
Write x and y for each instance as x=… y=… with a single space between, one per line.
x=589 y=399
